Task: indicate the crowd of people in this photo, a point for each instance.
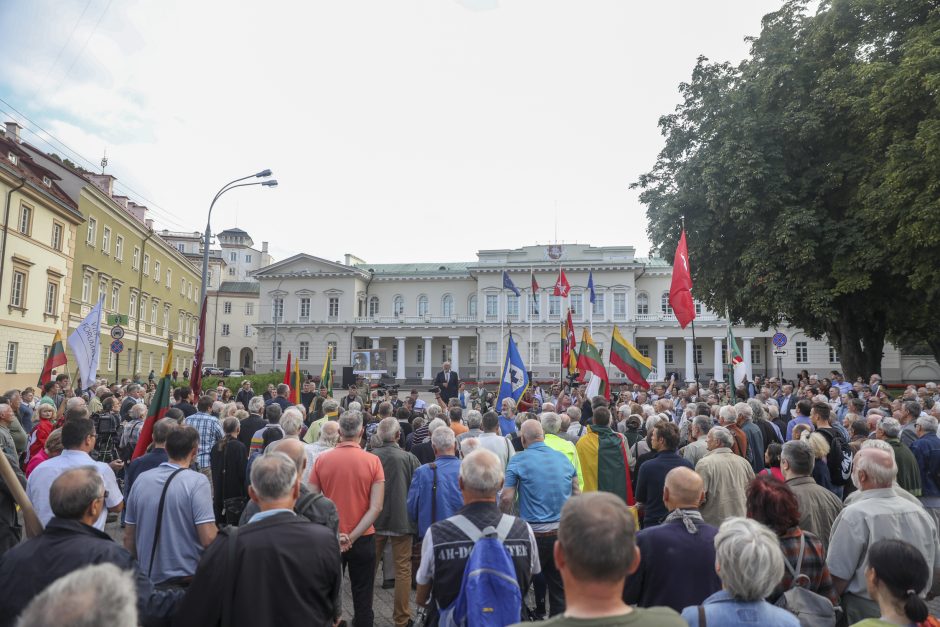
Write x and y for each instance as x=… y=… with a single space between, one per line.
x=776 y=502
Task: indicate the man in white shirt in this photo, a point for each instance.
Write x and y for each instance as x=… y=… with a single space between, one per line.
x=78 y=439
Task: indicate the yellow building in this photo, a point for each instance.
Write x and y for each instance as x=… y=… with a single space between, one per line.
x=36 y=249
x=120 y=259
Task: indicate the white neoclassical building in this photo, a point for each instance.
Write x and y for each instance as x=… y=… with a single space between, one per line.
x=425 y=313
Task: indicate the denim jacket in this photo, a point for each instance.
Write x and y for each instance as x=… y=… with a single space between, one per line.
x=723 y=609
x=449 y=498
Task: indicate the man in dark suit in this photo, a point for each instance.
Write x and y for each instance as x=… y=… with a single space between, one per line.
x=787 y=401
x=447 y=380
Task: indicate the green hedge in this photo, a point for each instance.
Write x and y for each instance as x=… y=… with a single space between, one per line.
x=259 y=382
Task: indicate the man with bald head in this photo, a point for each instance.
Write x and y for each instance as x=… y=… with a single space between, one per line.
x=544 y=479
x=314 y=507
x=677 y=565
x=876 y=514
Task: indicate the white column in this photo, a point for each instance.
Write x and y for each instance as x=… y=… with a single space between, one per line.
x=689 y=360
x=747 y=358
x=375 y=342
x=400 y=375
x=719 y=359
x=427 y=358
x=660 y=359
x=455 y=353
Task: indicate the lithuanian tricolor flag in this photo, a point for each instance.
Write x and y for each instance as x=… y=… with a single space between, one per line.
x=326 y=376
x=604 y=465
x=590 y=360
x=158 y=405
x=628 y=360
x=54 y=359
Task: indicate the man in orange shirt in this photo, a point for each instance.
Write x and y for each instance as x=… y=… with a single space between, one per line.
x=355 y=481
x=456 y=416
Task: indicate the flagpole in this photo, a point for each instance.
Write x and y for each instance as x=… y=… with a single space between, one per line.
x=694 y=360
x=529 y=311
x=501 y=291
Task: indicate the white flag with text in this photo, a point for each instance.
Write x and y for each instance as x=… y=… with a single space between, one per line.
x=85 y=343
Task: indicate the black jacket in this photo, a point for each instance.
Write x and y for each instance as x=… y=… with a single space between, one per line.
x=249 y=426
x=228 y=474
x=313 y=506
x=289 y=573
x=65 y=546
x=185 y=407
x=10 y=530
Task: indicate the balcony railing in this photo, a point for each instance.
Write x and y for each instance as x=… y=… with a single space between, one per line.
x=671 y=317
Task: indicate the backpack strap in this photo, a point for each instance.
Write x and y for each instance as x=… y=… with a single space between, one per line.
x=231 y=567
x=434 y=494
x=156 y=533
x=701 y=616
x=504 y=527
x=797 y=573
x=466 y=527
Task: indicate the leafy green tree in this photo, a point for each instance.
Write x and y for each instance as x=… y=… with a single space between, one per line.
x=808 y=178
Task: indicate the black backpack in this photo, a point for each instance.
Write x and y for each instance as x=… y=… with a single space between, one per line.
x=840 y=457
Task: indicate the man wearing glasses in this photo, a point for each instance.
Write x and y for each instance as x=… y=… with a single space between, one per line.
x=78 y=439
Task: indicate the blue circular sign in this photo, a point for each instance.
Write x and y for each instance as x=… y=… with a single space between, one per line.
x=779 y=340
x=117 y=346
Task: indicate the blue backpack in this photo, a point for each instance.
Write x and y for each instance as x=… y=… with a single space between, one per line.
x=489 y=592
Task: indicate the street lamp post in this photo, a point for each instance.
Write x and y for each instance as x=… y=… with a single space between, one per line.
x=265 y=174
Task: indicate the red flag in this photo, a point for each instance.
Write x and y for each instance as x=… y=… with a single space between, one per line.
x=287 y=373
x=195 y=377
x=680 y=292
x=562 y=287
x=535 y=293
x=158 y=405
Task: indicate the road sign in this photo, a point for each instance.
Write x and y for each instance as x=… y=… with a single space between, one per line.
x=117 y=319
x=117 y=346
x=780 y=353
x=117 y=332
x=779 y=340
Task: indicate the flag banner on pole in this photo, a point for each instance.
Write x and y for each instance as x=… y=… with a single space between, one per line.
x=591 y=287
x=326 y=375
x=628 y=360
x=509 y=285
x=535 y=293
x=54 y=359
x=736 y=359
x=85 y=343
x=195 y=377
x=158 y=404
x=562 y=287
x=590 y=360
x=295 y=384
x=569 y=345
x=680 y=291
x=515 y=379
x=287 y=375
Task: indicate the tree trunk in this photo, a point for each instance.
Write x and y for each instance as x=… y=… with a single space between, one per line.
x=860 y=342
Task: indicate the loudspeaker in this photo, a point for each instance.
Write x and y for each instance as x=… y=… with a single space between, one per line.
x=348 y=377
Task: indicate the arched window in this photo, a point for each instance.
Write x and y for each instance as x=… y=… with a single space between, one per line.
x=399 y=306
x=642 y=304
x=472 y=306
x=447 y=306
x=373 y=306
x=422 y=305
x=665 y=307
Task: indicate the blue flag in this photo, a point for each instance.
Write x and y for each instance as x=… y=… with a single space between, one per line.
x=591 y=286
x=515 y=378
x=509 y=285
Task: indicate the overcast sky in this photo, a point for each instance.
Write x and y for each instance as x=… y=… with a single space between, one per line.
x=399 y=130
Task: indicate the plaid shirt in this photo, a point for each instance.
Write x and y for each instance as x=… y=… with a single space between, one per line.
x=814 y=565
x=210 y=432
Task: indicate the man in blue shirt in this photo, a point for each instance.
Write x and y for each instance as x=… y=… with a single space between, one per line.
x=652 y=475
x=544 y=480
x=803 y=409
x=210 y=432
x=434 y=493
x=507 y=419
x=926 y=449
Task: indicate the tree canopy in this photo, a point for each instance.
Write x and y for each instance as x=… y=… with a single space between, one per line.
x=809 y=177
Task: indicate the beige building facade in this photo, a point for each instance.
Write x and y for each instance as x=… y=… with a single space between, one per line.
x=37 y=247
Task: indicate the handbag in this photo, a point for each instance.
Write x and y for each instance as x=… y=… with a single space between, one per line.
x=811 y=609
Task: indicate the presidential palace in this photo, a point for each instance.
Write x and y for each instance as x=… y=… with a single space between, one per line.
x=425 y=313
